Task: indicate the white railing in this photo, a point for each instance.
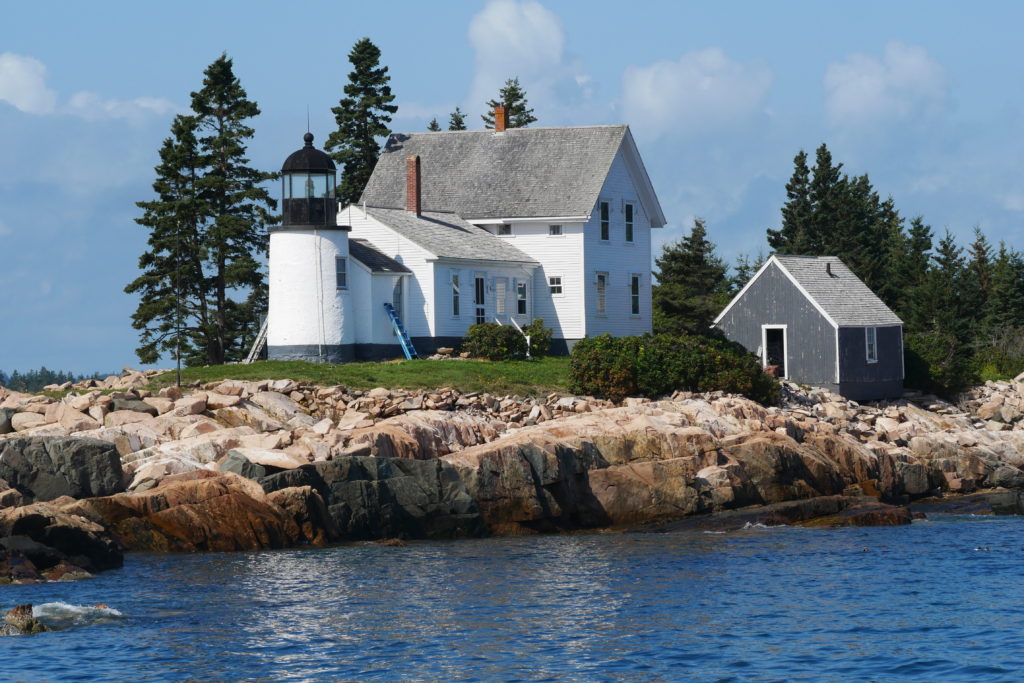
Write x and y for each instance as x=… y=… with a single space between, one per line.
x=520 y=330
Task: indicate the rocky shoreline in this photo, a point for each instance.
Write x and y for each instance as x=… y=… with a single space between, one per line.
x=252 y=465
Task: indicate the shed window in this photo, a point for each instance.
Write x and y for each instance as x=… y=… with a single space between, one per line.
x=341 y=272
x=605 y=222
x=871 y=343
x=629 y=222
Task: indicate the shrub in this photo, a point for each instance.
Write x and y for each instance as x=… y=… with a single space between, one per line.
x=656 y=365
x=936 y=362
x=494 y=342
x=540 y=338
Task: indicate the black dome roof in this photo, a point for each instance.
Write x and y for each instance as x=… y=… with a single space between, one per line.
x=309 y=158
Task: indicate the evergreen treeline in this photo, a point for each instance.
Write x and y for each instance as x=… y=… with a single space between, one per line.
x=35 y=380
x=962 y=306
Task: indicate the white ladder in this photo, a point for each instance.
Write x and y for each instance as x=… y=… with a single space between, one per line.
x=257 y=346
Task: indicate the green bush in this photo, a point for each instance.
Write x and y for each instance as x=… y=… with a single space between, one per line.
x=540 y=338
x=936 y=362
x=494 y=342
x=656 y=365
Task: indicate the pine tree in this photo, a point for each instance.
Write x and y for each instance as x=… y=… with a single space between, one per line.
x=174 y=311
x=457 y=120
x=513 y=97
x=434 y=126
x=909 y=270
x=797 y=213
x=235 y=238
x=1005 y=307
x=362 y=116
x=743 y=270
x=978 y=281
x=692 y=285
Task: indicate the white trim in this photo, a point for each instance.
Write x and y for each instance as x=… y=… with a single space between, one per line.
x=528 y=219
x=835 y=335
x=903 y=371
x=641 y=181
x=785 y=347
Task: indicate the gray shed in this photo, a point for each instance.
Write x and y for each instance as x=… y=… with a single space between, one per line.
x=820 y=325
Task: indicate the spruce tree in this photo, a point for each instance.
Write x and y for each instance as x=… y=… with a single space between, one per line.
x=513 y=97
x=362 y=116
x=743 y=270
x=433 y=126
x=909 y=270
x=1005 y=306
x=174 y=312
x=797 y=213
x=692 y=285
x=457 y=120
x=236 y=237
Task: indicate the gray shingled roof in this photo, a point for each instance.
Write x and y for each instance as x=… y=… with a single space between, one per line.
x=521 y=172
x=841 y=294
x=376 y=261
x=447 y=236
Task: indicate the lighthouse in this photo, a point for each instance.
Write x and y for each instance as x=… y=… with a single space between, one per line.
x=310 y=307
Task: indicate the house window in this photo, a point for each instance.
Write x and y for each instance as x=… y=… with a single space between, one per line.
x=629 y=222
x=341 y=272
x=555 y=283
x=500 y=287
x=504 y=230
x=634 y=294
x=602 y=290
x=605 y=229
x=871 y=343
x=554 y=229
x=521 y=298
x=455 y=295
x=479 y=298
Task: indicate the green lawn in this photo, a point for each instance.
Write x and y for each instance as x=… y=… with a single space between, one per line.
x=537 y=378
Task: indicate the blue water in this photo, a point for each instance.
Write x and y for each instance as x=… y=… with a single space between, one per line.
x=778 y=604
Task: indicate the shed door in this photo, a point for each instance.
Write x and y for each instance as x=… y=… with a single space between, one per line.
x=775 y=349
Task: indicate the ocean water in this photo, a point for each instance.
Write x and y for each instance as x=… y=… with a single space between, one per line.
x=904 y=603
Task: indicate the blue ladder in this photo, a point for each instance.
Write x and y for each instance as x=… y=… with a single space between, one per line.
x=403 y=336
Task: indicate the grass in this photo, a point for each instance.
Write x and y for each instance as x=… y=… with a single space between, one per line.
x=535 y=378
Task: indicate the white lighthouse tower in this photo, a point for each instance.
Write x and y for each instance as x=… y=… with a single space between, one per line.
x=310 y=309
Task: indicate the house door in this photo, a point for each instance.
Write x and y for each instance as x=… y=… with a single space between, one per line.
x=396 y=297
x=478 y=299
x=500 y=296
x=775 y=349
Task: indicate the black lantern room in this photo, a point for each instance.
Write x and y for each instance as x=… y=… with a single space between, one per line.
x=307 y=187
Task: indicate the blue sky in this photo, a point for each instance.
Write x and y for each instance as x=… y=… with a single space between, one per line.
x=926 y=97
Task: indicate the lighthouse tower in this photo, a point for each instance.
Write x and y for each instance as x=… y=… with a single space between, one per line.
x=310 y=309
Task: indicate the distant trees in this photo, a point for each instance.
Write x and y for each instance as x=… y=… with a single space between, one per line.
x=513 y=97
x=692 y=285
x=202 y=287
x=35 y=380
x=362 y=115
x=457 y=120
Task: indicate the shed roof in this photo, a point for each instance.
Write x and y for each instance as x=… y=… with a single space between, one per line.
x=839 y=293
x=447 y=236
x=372 y=258
x=521 y=172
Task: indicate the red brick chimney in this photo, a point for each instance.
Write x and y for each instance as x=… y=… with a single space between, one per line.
x=500 y=119
x=412 y=183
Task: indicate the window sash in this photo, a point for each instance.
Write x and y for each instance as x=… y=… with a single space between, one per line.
x=871 y=344
x=605 y=222
x=554 y=229
x=629 y=222
x=504 y=230
x=455 y=294
x=340 y=272
x=634 y=294
x=521 y=298
x=602 y=291
x=555 y=284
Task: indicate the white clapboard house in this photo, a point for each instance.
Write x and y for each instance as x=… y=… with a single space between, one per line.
x=455 y=228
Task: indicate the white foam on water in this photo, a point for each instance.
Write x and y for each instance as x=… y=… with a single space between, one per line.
x=60 y=615
x=757 y=525
x=713 y=532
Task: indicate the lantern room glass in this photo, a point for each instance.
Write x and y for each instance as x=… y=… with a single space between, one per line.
x=307 y=185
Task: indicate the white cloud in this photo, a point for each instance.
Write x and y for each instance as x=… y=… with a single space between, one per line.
x=904 y=83
x=524 y=39
x=93 y=107
x=23 y=84
x=700 y=91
